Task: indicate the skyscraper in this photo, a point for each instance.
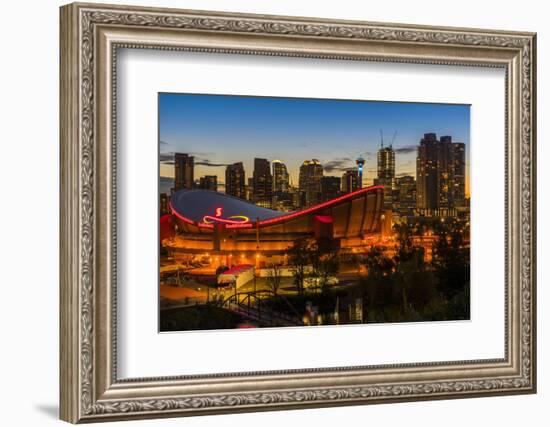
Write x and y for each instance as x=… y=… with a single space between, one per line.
x=405 y=195
x=386 y=173
x=184 y=166
x=445 y=174
x=427 y=193
x=459 y=170
x=330 y=187
x=386 y=163
x=262 y=182
x=294 y=196
x=280 y=177
x=350 y=181
x=208 y=182
x=440 y=172
x=309 y=182
x=249 y=188
x=235 y=180
x=284 y=202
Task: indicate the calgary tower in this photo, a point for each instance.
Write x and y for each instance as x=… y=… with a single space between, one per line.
x=360 y=162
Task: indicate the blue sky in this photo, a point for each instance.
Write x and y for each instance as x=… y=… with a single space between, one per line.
x=221 y=129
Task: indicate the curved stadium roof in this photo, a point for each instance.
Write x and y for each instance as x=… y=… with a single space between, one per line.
x=195 y=204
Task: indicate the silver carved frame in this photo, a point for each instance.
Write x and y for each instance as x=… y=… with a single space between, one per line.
x=90 y=36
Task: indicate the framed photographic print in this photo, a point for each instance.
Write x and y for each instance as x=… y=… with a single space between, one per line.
x=264 y=212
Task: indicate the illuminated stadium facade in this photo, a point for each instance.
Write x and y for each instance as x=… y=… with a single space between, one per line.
x=219 y=224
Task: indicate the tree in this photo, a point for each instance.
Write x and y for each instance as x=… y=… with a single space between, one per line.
x=451 y=259
x=274 y=277
x=377 y=286
x=404 y=234
x=299 y=258
x=325 y=262
x=376 y=263
x=415 y=282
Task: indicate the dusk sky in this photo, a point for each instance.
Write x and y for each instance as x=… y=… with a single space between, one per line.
x=221 y=129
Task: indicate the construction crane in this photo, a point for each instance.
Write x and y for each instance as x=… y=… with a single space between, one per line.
x=382 y=138
x=393 y=138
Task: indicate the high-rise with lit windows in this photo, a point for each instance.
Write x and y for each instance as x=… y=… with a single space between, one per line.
x=184 y=169
x=386 y=173
x=208 y=182
x=309 y=182
x=459 y=170
x=235 y=180
x=280 y=177
x=440 y=172
x=350 y=181
x=404 y=201
x=330 y=187
x=262 y=183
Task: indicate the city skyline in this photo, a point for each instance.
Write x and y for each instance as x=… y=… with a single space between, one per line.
x=335 y=132
x=299 y=212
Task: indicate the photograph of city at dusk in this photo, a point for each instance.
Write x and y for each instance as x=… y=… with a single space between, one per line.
x=280 y=212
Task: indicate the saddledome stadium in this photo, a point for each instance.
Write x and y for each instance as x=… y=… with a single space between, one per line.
x=204 y=221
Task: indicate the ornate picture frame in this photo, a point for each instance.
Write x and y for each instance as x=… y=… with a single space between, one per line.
x=90 y=37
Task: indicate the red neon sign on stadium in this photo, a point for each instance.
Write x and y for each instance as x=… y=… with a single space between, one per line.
x=232 y=220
